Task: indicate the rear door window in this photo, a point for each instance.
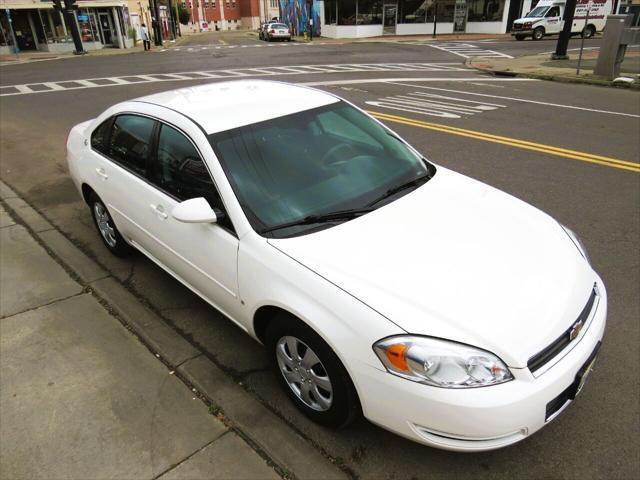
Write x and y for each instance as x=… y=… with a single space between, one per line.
x=130 y=142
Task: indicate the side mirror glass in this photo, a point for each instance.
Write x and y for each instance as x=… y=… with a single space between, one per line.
x=194 y=210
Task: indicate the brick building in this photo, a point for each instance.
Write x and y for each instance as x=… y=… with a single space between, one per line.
x=230 y=14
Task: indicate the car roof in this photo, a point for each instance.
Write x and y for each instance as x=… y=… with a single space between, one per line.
x=221 y=106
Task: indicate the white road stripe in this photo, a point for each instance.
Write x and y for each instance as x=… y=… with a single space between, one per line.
x=572 y=107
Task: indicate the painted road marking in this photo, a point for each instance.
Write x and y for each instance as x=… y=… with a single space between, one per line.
x=193 y=48
x=417 y=79
x=434 y=105
x=499 y=97
x=43 y=87
x=512 y=142
x=466 y=50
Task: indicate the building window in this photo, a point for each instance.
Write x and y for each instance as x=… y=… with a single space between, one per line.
x=206 y=4
x=414 y=11
x=369 y=12
x=88 y=26
x=274 y=3
x=485 y=10
x=346 y=12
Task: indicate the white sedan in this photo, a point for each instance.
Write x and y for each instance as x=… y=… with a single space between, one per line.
x=440 y=308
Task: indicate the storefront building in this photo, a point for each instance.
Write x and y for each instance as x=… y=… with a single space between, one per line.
x=371 y=18
x=31 y=25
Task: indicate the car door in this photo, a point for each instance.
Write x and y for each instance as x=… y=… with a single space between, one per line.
x=121 y=147
x=203 y=255
x=553 y=20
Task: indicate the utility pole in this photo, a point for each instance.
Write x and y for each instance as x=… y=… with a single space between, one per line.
x=172 y=22
x=435 y=17
x=565 y=35
x=155 y=22
x=70 y=20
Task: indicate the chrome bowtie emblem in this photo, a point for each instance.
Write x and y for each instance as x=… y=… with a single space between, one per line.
x=575 y=330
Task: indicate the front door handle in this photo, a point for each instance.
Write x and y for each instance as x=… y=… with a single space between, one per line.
x=159 y=210
x=100 y=171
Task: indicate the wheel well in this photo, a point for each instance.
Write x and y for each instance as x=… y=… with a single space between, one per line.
x=263 y=316
x=86 y=192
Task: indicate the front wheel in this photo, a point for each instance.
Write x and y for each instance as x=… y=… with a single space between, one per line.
x=520 y=37
x=311 y=373
x=107 y=229
x=538 y=33
x=588 y=32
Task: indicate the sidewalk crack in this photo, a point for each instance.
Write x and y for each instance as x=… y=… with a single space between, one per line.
x=81 y=292
x=176 y=465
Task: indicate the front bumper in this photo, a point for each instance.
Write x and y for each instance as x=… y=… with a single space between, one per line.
x=521 y=32
x=478 y=419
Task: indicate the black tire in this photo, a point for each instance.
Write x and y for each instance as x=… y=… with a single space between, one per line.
x=113 y=241
x=345 y=405
x=589 y=31
x=520 y=37
x=538 y=33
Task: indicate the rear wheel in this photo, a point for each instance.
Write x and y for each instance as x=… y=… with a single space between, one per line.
x=311 y=373
x=107 y=229
x=538 y=33
x=589 y=31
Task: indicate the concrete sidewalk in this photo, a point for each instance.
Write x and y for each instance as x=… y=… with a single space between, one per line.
x=542 y=67
x=82 y=398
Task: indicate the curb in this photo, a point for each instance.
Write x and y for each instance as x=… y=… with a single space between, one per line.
x=550 y=77
x=292 y=455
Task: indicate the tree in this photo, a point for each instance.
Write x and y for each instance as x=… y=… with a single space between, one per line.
x=183 y=14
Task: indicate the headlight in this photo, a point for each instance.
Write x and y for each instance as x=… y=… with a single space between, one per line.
x=440 y=363
x=577 y=242
x=527 y=25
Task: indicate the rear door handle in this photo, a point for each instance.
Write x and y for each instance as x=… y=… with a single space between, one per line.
x=100 y=171
x=159 y=210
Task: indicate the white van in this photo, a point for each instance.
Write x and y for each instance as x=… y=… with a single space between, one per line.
x=546 y=19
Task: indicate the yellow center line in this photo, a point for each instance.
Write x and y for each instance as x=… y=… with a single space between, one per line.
x=513 y=142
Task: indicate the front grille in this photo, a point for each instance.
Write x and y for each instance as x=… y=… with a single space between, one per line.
x=517 y=26
x=540 y=359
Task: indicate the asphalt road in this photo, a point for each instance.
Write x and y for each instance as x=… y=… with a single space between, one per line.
x=578 y=166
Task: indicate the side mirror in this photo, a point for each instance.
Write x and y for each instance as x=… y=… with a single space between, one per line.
x=194 y=210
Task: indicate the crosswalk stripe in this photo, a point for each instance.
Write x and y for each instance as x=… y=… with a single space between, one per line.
x=72 y=84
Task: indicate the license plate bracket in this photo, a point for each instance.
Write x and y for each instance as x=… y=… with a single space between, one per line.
x=583 y=373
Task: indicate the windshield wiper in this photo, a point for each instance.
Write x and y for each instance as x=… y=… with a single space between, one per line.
x=322 y=218
x=416 y=182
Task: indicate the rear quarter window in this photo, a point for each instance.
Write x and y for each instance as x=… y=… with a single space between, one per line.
x=100 y=136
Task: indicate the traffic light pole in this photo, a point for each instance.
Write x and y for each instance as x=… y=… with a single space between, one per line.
x=565 y=35
x=70 y=20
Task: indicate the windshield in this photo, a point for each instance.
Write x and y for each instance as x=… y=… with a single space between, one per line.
x=320 y=161
x=538 y=12
x=278 y=25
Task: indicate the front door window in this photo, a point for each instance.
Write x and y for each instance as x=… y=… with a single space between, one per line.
x=389 y=22
x=106 y=28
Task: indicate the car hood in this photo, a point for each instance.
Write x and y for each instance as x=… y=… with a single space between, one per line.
x=529 y=19
x=460 y=260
